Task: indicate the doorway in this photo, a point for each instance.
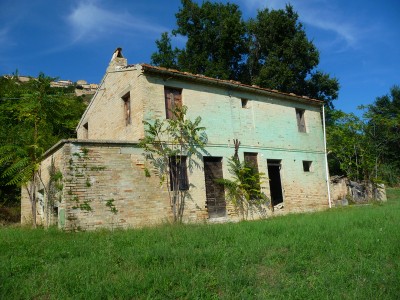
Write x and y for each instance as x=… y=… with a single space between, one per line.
x=215 y=193
x=275 y=184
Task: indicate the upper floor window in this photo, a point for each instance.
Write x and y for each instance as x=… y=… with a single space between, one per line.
x=245 y=103
x=301 y=123
x=127 y=108
x=86 y=130
x=173 y=100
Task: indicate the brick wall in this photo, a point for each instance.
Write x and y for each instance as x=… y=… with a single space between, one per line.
x=101 y=175
x=105 y=115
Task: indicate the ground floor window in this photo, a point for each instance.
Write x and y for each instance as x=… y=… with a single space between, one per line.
x=178 y=173
x=307 y=165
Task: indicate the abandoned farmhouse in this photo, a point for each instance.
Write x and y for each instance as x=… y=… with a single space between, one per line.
x=101 y=178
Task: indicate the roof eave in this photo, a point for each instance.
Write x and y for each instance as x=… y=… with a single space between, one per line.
x=229 y=83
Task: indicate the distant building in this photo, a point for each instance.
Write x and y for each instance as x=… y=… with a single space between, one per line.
x=61 y=83
x=104 y=168
x=84 y=88
x=81 y=86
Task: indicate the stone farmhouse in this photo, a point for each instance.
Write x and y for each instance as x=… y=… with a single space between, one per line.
x=98 y=179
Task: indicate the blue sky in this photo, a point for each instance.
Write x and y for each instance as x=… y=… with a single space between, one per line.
x=359 y=41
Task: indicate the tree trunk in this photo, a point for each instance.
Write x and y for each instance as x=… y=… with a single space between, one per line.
x=32 y=197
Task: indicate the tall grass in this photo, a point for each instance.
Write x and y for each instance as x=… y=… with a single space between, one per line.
x=346 y=253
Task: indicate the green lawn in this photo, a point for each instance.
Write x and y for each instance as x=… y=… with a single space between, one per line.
x=345 y=253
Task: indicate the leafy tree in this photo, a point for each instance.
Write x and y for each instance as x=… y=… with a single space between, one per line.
x=367 y=149
x=166 y=56
x=271 y=51
x=281 y=57
x=215 y=40
x=383 y=132
x=350 y=147
x=343 y=142
x=33 y=117
x=172 y=146
x=244 y=190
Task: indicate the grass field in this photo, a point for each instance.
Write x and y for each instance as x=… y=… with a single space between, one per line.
x=345 y=253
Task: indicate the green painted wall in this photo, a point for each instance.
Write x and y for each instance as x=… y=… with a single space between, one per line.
x=267 y=126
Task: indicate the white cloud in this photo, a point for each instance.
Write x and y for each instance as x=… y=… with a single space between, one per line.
x=325 y=20
x=89 y=21
x=321 y=14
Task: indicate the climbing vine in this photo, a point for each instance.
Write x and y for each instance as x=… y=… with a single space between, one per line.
x=110 y=204
x=79 y=178
x=54 y=193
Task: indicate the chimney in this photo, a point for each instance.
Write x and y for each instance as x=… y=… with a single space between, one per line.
x=117 y=61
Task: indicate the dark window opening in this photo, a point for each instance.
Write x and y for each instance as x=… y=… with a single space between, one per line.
x=244 y=103
x=301 y=123
x=275 y=185
x=127 y=108
x=178 y=173
x=307 y=165
x=173 y=100
x=86 y=130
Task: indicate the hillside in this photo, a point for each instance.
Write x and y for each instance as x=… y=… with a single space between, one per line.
x=346 y=253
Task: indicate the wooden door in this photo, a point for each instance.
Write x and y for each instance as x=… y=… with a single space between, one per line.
x=215 y=193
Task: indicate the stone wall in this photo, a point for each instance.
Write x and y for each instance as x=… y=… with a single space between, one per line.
x=344 y=190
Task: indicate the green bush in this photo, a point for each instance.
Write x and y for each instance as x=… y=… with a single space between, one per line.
x=389 y=174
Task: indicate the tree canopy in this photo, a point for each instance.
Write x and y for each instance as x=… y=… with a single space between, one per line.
x=383 y=130
x=367 y=148
x=271 y=50
x=33 y=116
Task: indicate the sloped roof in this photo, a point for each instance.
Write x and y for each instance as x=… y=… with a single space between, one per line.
x=222 y=82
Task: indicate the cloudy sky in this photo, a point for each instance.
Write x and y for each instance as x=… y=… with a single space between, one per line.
x=359 y=41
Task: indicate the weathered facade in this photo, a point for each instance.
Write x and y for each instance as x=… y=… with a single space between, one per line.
x=103 y=182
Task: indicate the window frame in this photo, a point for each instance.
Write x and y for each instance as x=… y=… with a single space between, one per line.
x=245 y=102
x=127 y=108
x=172 y=102
x=86 y=130
x=181 y=168
x=307 y=166
x=251 y=158
x=301 y=121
